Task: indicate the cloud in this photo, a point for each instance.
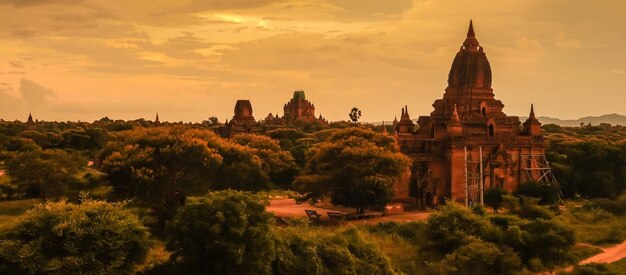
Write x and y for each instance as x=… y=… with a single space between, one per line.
x=33 y=93
x=563 y=41
x=28 y=3
x=16 y=64
x=617 y=71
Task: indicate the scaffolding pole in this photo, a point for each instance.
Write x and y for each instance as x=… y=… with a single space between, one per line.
x=474 y=183
x=535 y=167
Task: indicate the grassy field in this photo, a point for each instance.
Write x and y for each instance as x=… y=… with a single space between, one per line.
x=9 y=210
x=595 y=225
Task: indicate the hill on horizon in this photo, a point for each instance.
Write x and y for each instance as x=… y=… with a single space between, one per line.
x=613 y=119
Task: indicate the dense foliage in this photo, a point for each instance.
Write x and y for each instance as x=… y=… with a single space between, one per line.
x=588 y=161
x=302 y=250
x=93 y=237
x=354 y=167
x=225 y=232
x=42 y=173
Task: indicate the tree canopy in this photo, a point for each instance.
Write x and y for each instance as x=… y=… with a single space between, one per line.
x=93 y=237
x=354 y=167
x=225 y=232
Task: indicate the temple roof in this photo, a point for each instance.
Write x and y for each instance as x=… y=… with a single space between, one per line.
x=470 y=68
x=299 y=95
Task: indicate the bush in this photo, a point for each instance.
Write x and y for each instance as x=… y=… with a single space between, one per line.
x=309 y=252
x=617 y=207
x=93 y=237
x=227 y=232
x=547 y=193
x=593 y=269
x=494 y=197
x=479 y=257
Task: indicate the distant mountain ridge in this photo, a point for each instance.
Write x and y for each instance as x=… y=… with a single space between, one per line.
x=613 y=119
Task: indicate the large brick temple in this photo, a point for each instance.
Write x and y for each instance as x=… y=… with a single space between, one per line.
x=446 y=147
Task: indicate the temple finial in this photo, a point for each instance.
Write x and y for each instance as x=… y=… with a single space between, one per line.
x=470 y=31
x=532 y=111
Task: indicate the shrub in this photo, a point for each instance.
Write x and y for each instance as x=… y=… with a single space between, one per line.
x=227 y=232
x=309 y=252
x=92 y=237
x=547 y=193
x=479 y=257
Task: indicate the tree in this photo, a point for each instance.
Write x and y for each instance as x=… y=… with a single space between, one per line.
x=494 y=198
x=160 y=166
x=93 y=237
x=43 y=173
x=301 y=250
x=226 y=232
x=355 y=114
x=546 y=192
x=354 y=167
x=479 y=257
x=449 y=228
x=545 y=240
x=279 y=165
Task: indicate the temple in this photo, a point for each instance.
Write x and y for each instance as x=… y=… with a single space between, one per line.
x=297 y=109
x=243 y=121
x=467 y=144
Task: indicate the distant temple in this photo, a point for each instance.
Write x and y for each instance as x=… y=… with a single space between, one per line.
x=297 y=109
x=243 y=121
x=30 y=122
x=468 y=144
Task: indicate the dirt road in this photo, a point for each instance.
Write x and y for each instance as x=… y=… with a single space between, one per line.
x=289 y=208
x=609 y=255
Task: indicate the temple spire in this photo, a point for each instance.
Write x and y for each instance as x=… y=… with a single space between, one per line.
x=471 y=43
x=455 y=114
x=470 y=31
x=532 y=111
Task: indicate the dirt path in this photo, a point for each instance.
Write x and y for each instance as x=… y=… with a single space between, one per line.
x=609 y=255
x=289 y=208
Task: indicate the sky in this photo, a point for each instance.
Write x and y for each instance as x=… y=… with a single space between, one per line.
x=188 y=60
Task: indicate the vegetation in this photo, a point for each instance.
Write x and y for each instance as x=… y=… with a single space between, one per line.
x=354 y=167
x=494 y=197
x=183 y=173
x=225 y=232
x=42 y=173
x=59 y=237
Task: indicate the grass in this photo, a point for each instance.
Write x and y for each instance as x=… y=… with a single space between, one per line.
x=580 y=252
x=10 y=210
x=618 y=267
x=595 y=226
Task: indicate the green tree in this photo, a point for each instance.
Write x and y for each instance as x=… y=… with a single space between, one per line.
x=279 y=165
x=355 y=114
x=546 y=240
x=43 y=173
x=449 y=228
x=494 y=197
x=226 y=232
x=354 y=167
x=160 y=166
x=546 y=192
x=93 y=237
x=479 y=257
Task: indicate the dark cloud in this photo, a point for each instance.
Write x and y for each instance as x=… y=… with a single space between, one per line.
x=27 y=3
x=16 y=64
x=203 y=5
x=33 y=93
x=369 y=8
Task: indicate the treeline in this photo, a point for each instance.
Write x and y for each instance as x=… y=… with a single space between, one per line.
x=589 y=161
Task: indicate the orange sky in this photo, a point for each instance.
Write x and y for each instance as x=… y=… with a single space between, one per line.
x=191 y=59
